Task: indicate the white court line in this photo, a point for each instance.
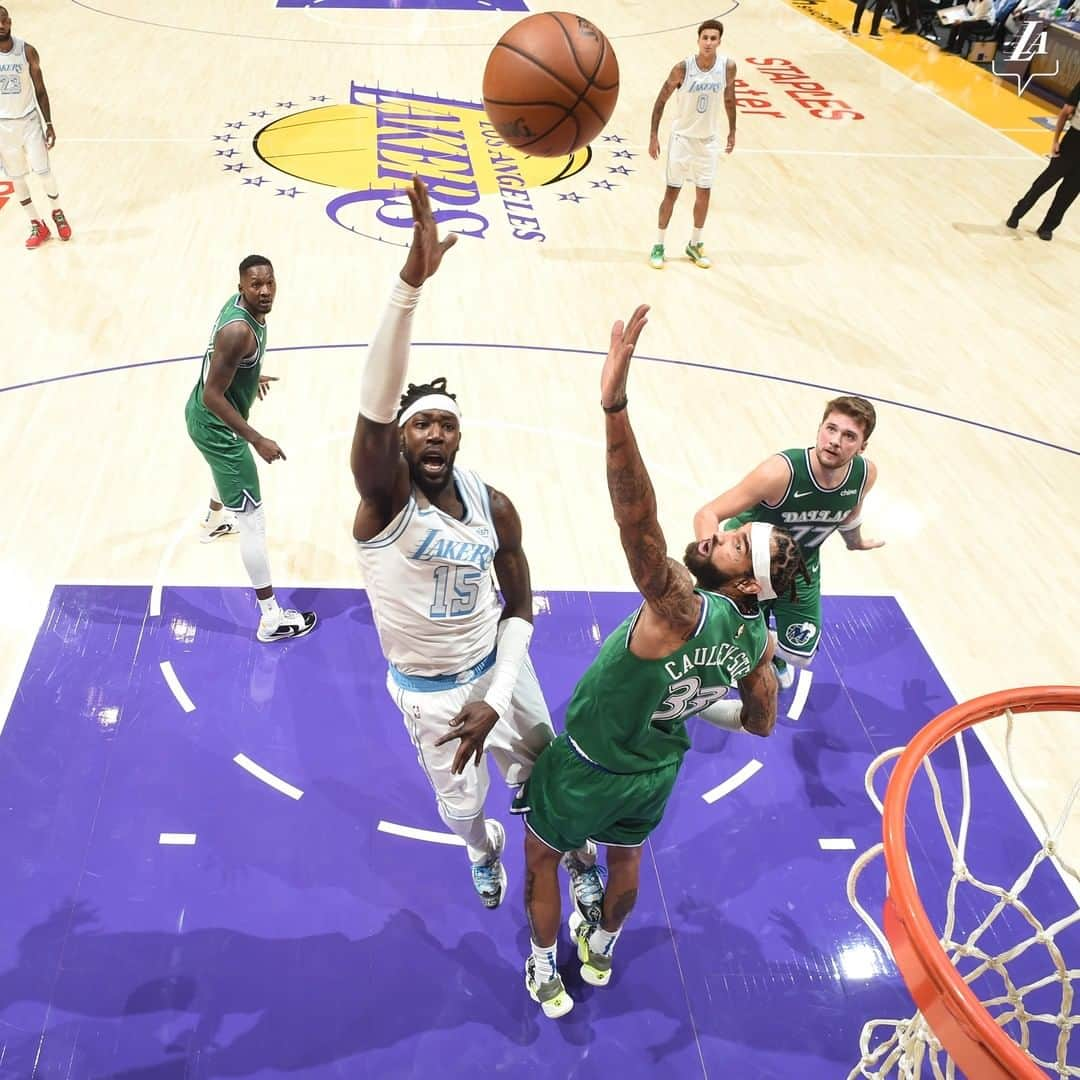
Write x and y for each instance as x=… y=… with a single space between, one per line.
x=267 y=777
x=889 y=154
x=195 y=139
x=836 y=843
x=802 y=692
x=420 y=834
x=183 y=839
x=174 y=685
x=163 y=565
x=732 y=782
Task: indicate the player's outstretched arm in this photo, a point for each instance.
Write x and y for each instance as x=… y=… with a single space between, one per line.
x=665 y=584
x=379 y=471
x=671 y=84
x=767 y=483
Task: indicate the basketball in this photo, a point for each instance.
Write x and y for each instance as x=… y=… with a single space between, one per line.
x=551 y=84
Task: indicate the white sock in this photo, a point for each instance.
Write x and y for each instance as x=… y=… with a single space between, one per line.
x=474 y=831
x=695 y=236
x=544 y=959
x=214 y=518
x=22 y=193
x=48 y=181
x=271 y=610
x=660 y=234
x=601 y=942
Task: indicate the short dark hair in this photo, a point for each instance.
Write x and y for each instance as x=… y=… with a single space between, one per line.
x=252 y=261
x=711 y=24
x=416 y=392
x=858 y=408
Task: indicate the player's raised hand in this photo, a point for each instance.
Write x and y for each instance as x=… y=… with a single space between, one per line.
x=427 y=250
x=617 y=365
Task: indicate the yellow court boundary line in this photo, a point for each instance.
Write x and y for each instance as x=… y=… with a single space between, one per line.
x=967 y=86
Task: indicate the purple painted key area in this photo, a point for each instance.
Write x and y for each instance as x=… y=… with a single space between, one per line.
x=296 y=939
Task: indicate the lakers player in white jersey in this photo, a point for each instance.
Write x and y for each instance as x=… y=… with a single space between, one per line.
x=24 y=144
x=702 y=84
x=429 y=535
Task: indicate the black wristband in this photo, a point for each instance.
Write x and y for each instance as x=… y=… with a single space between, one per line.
x=618 y=407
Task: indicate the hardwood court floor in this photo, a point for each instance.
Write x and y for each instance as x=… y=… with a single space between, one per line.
x=864 y=255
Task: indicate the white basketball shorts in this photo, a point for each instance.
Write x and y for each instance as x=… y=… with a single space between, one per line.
x=514 y=743
x=692 y=159
x=22 y=146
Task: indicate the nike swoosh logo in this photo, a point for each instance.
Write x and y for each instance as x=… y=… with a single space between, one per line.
x=801 y=494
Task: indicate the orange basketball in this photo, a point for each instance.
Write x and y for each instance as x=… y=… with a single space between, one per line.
x=551 y=84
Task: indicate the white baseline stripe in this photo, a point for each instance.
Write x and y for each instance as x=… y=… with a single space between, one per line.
x=174 y=685
x=186 y=839
x=420 y=834
x=267 y=777
x=802 y=692
x=732 y=782
x=839 y=843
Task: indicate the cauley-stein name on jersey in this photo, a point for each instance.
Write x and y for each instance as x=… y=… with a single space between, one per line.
x=729 y=657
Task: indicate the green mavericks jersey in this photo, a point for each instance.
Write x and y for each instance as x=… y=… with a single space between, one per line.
x=244 y=388
x=628 y=715
x=809 y=511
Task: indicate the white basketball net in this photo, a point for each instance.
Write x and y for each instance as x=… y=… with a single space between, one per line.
x=904 y=1048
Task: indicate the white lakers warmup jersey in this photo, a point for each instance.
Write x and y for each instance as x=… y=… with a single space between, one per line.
x=429 y=579
x=17 y=97
x=699 y=102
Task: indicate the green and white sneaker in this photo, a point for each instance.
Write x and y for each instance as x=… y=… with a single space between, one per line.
x=697 y=255
x=785 y=673
x=595 y=969
x=550 y=996
x=656 y=259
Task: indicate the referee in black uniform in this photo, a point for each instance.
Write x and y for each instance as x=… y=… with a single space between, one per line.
x=1064 y=167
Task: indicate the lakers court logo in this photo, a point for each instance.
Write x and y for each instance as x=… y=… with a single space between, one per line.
x=355 y=158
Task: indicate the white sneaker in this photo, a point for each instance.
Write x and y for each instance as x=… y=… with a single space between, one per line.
x=489 y=878
x=551 y=996
x=227 y=527
x=290 y=624
x=785 y=673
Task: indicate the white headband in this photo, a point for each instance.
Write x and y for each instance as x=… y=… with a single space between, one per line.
x=428 y=403
x=761 y=556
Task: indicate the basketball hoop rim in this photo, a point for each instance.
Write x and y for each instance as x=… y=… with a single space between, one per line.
x=967 y=1031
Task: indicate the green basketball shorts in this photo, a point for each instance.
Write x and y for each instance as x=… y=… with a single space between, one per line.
x=231 y=461
x=567 y=800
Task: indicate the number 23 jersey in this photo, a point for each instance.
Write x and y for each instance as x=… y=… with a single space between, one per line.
x=429 y=579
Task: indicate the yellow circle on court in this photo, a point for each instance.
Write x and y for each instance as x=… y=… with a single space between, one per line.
x=363 y=146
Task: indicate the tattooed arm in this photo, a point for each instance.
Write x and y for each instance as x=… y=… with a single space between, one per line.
x=671 y=84
x=665 y=584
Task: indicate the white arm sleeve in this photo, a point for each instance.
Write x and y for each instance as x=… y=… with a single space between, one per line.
x=514 y=637
x=388 y=356
x=724 y=714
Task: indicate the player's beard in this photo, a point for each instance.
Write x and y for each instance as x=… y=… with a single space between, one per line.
x=705 y=573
